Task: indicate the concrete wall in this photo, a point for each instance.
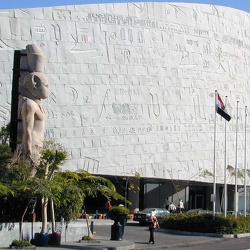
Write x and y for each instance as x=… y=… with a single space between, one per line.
x=72 y=231
x=132 y=84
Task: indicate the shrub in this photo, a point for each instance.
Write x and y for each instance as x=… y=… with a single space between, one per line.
x=118 y=210
x=85 y=237
x=205 y=223
x=19 y=244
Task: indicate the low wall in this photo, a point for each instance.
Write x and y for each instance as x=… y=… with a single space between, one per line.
x=70 y=231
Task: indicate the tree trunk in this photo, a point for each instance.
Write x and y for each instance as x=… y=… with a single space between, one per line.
x=52 y=216
x=21 y=222
x=51 y=200
x=87 y=221
x=44 y=215
x=45 y=207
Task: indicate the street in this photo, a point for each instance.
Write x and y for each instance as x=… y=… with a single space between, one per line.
x=140 y=235
x=230 y=244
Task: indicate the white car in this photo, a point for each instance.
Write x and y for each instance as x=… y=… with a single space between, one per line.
x=144 y=215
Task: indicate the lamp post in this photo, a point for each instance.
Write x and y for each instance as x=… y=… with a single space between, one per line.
x=245 y=166
x=236 y=163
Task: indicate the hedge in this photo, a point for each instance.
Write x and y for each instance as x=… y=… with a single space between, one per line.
x=205 y=223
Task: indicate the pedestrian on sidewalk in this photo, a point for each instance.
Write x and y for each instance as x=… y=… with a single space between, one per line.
x=180 y=206
x=172 y=208
x=107 y=208
x=167 y=203
x=153 y=224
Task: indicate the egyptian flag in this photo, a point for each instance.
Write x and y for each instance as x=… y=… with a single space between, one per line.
x=221 y=109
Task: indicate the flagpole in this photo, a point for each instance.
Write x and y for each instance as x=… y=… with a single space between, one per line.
x=245 y=166
x=236 y=163
x=214 y=170
x=225 y=167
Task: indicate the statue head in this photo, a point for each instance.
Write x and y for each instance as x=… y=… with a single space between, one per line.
x=35 y=84
x=35 y=58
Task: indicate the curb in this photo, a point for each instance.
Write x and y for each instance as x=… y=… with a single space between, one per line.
x=243 y=235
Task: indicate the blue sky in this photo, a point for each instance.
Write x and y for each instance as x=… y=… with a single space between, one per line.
x=13 y=4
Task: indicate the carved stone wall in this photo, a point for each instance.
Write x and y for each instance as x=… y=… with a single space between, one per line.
x=132 y=84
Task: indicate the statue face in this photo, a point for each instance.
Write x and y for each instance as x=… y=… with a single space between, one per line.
x=41 y=88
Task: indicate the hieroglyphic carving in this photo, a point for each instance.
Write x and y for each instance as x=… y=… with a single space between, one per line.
x=74 y=94
x=52 y=98
x=62 y=15
x=41 y=30
x=103 y=104
x=56 y=34
x=154 y=108
x=4 y=113
x=4 y=46
x=91 y=165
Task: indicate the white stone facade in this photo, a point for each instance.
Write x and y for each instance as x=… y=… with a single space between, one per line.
x=132 y=85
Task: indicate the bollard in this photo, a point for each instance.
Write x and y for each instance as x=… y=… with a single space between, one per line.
x=116 y=231
x=92 y=227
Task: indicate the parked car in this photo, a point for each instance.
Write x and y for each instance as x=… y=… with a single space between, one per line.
x=144 y=215
x=198 y=211
x=238 y=213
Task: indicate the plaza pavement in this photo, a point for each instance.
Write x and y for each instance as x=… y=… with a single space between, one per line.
x=166 y=239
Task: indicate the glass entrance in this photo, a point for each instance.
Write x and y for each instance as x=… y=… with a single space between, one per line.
x=199 y=201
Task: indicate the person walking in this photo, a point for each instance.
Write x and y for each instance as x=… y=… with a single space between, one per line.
x=180 y=206
x=107 y=208
x=172 y=208
x=167 y=203
x=153 y=224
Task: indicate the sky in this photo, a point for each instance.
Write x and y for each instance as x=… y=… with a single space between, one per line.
x=14 y=4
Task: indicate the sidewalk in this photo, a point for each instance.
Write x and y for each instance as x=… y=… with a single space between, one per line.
x=165 y=239
x=174 y=241
x=101 y=243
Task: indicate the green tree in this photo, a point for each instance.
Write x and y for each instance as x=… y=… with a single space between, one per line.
x=28 y=188
x=76 y=187
x=67 y=190
x=127 y=184
x=52 y=156
x=5 y=159
x=19 y=181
